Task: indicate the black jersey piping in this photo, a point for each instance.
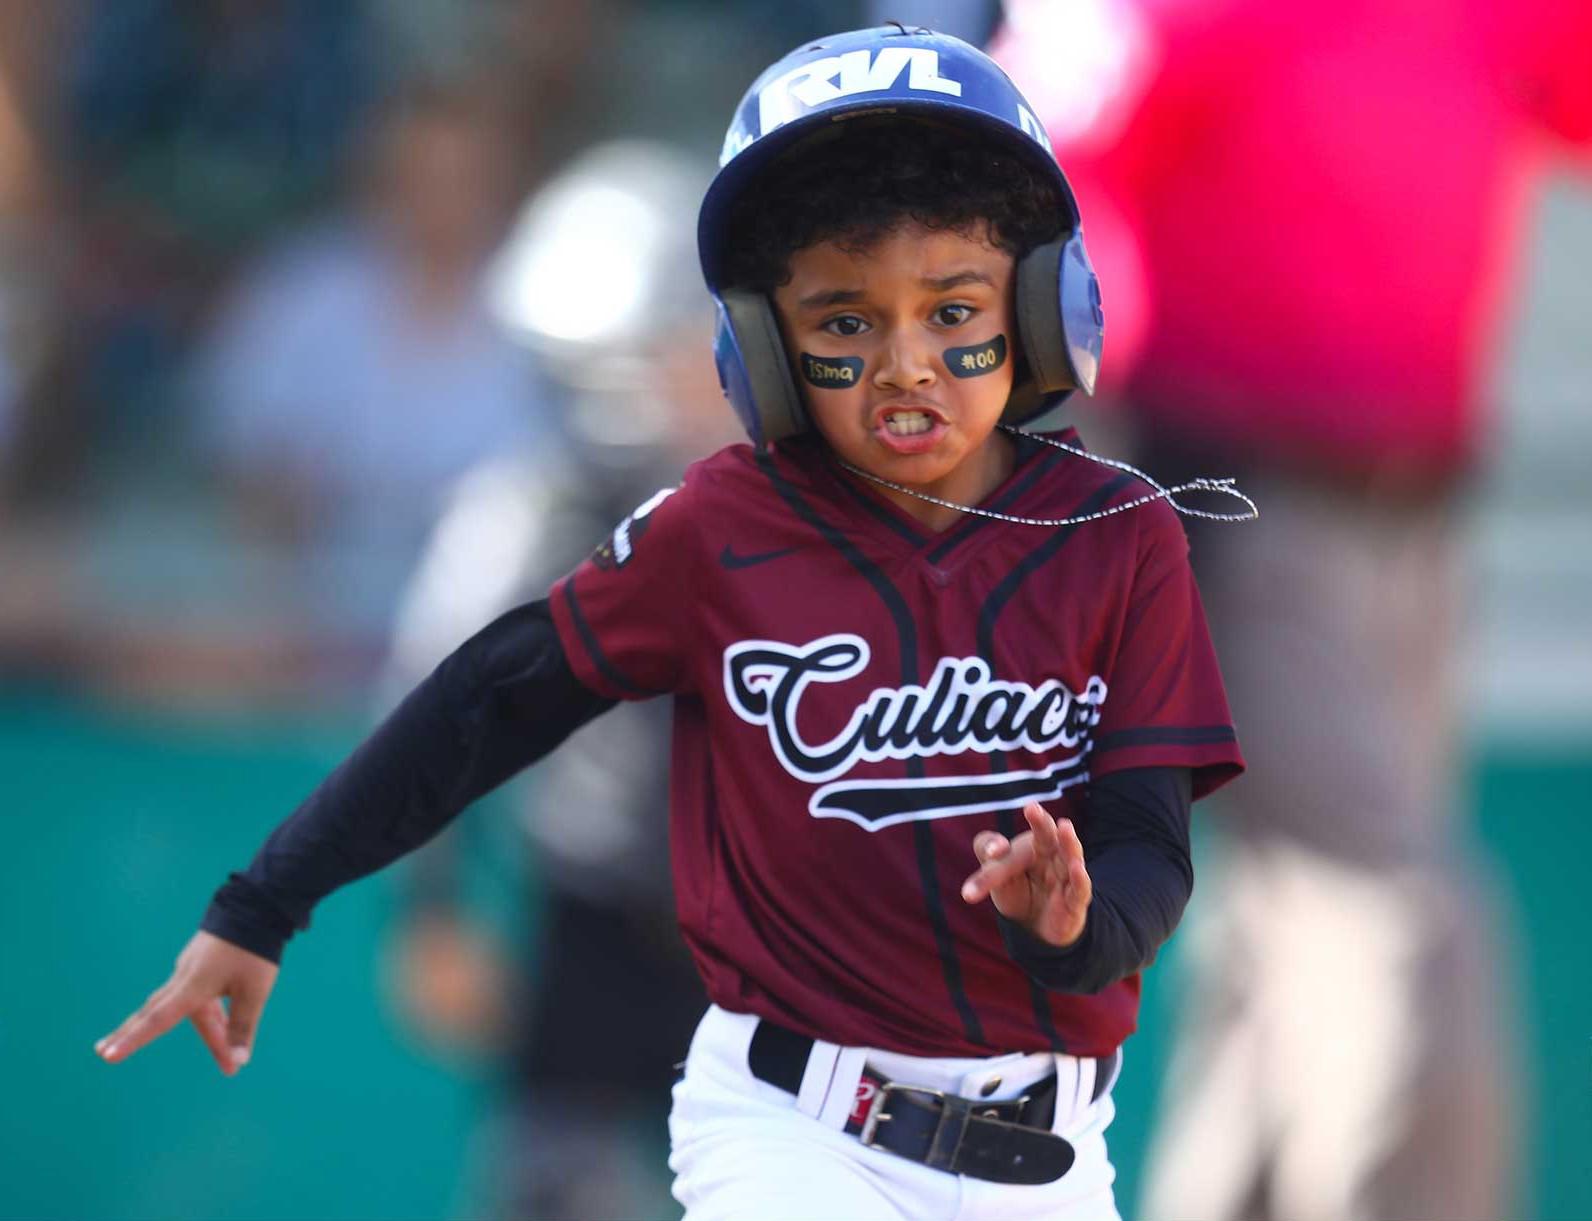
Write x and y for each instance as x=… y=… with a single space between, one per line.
x=878 y=511
x=1020 y=488
x=1002 y=593
x=1039 y=999
x=923 y=834
x=595 y=650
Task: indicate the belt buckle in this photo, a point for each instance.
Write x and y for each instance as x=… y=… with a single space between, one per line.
x=877 y=1114
x=1008 y=1110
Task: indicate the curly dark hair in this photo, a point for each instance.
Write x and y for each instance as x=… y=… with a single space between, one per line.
x=855 y=182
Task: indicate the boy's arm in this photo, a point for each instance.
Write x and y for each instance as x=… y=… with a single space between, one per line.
x=1165 y=737
x=499 y=703
x=1078 y=929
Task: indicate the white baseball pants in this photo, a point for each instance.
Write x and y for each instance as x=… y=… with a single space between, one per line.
x=744 y=1150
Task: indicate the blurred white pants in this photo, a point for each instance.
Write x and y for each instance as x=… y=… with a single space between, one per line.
x=744 y=1150
x=1344 y=1054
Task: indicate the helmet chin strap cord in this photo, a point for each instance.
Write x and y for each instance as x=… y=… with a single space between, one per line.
x=1225 y=487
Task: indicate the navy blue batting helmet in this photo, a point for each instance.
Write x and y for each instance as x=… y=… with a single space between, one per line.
x=891 y=70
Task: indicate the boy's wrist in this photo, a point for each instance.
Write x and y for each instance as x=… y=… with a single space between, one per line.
x=239 y=913
x=1025 y=944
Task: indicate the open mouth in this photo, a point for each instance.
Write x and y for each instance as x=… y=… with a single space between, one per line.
x=910 y=428
x=907 y=423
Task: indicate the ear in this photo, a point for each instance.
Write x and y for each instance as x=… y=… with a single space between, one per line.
x=761 y=389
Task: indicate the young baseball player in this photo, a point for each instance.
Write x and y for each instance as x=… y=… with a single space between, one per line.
x=942 y=691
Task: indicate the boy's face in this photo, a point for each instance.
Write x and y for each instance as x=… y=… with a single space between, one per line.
x=904 y=355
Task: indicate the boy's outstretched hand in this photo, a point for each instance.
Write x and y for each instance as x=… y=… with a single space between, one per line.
x=1037 y=880
x=207 y=970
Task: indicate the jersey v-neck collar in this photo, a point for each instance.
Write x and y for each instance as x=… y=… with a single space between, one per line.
x=864 y=511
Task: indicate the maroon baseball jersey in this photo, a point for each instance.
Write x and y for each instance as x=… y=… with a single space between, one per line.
x=855 y=698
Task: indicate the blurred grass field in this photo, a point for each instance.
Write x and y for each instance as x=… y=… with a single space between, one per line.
x=122 y=825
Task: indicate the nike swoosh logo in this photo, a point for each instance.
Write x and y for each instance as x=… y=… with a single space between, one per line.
x=729 y=559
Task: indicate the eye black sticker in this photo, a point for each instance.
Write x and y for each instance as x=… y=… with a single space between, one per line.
x=977 y=360
x=831 y=372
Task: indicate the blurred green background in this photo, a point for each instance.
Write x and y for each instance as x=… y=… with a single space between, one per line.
x=122 y=823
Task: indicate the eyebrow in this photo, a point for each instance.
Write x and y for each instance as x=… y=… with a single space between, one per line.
x=956 y=280
x=850 y=296
x=839 y=296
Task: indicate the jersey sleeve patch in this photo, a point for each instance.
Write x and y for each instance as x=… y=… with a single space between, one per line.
x=616 y=550
x=624 y=616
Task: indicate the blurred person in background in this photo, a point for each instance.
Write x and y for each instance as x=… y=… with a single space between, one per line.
x=548 y=57
x=30 y=571
x=1360 y=183
x=187 y=133
x=16 y=185
x=587 y=1021
x=7 y=400
x=168 y=139
x=356 y=373
x=972 y=21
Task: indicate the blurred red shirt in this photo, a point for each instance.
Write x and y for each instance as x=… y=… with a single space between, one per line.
x=1309 y=220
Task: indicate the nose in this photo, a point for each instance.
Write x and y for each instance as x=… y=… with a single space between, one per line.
x=905 y=362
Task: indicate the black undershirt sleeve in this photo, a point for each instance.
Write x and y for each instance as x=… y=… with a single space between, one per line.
x=504 y=699
x=1134 y=831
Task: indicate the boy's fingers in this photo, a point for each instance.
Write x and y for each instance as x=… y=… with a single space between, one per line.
x=116 y=1036
x=155 y=999
x=1044 y=828
x=145 y=1026
x=1014 y=862
x=243 y=1020
x=210 y=1020
x=989 y=844
x=1071 y=845
x=1079 y=884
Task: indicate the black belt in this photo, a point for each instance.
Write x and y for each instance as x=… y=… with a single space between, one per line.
x=1003 y=1142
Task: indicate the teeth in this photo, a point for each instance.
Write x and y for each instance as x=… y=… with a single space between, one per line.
x=907 y=423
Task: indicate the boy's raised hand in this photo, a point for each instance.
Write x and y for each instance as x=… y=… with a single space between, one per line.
x=1037 y=880
x=207 y=970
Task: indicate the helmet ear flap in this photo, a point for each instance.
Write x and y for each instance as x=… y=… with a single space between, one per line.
x=1060 y=323
x=754 y=370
